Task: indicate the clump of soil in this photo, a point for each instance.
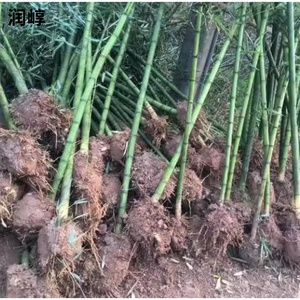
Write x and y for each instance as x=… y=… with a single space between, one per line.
x=156 y=128
x=250 y=252
x=9 y=255
x=23 y=283
x=99 y=148
x=200 y=133
x=115 y=256
x=220 y=229
x=88 y=172
x=207 y=160
x=63 y=242
x=37 y=112
x=21 y=156
x=192 y=186
x=273 y=236
x=9 y=194
x=171 y=144
x=179 y=240
x=118 y=145
x=150 y=226
x=147 y=172
x=31 y=213
x=112 y=190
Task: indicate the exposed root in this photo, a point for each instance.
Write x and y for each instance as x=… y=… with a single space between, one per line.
x=147 y=172
x=37 y=112
x=219 y=230
x=157 y=130
x=62 y=242
x=150 y=226
x=21 y=156
x=192 y=187
x=118 y=145
x=9 y=194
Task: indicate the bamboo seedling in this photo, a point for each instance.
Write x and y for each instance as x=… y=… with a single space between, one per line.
x=188 y=124
x=137 y=118
x=293 y=108
x=245 y=106
x=233 y=99
x=197 y=109
x=85 y=96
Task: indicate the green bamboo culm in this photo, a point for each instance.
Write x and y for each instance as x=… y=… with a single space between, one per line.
x=13 y=71
x=137 y=118
x=233 y=99
x=5 y=109
x=113 y=80
x=292 y=107
x=197 y=109
x=85 y=96
x=267 y=160
x=245 y=105
x=63 y=207
x=192 y=89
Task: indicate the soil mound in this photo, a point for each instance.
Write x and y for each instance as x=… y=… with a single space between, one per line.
x=31 y=213
x=147 y=172
x=150 y=226
x=37 y=112
x=23 y=157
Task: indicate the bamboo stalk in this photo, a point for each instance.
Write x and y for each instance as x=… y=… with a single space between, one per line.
x=292 y=106
x=233 y=99
x=245 y=106
x=171 y=166
x=5 y=109
x=136 y=121
x=13 y=70
x=85 y=96
x=267 y=161
x=192 y=90
x=113 y=80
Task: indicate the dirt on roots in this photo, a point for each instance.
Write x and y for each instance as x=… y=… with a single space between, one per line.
x=23 y=157
x=37 y=112
x=30 y=214
x=157 y=128
x=147 y=172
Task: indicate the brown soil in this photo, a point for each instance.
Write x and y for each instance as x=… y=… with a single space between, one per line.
x=170 y=146
x=23 y=283
x=21 y=156
x=147 y=172
x=150 y=226
x=219 y=229
x=157 y=130
x=112 y=186
x=9 y=194
x=63 y=242
x=116 y=254
x=37 y=112
x=192 y=187
x=118 y=145
x=9 y=255
x=250 y=252
x=87 y=174
x=30 y=214
x=184 y=277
